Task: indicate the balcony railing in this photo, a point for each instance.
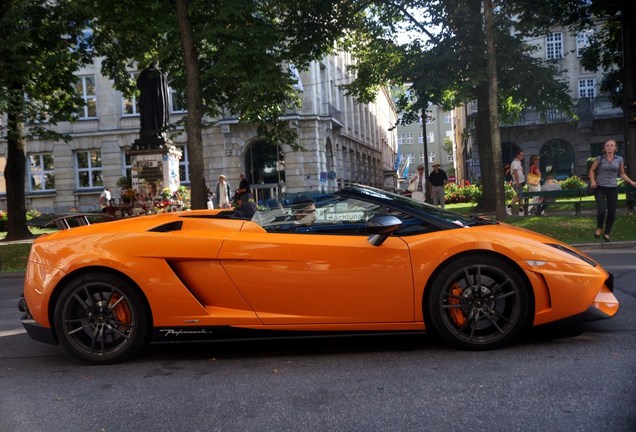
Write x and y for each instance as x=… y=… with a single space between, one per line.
x=586 y=109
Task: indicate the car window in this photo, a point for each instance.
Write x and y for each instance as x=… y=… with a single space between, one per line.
x=333 y=215
x=336 y=216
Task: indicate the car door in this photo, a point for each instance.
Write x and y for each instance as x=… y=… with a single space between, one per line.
x=321 y=278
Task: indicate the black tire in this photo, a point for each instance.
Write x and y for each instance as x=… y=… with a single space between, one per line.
x=100 y=318
x=478 y=303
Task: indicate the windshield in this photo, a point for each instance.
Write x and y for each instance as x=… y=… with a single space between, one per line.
x=405 y=203
x=347 y=212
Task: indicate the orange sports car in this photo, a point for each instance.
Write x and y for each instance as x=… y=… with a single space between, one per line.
x=358 y=260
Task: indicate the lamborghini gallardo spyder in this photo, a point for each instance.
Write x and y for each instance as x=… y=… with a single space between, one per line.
x=360 y=260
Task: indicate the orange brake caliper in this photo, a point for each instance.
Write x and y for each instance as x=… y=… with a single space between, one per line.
x=456 y=313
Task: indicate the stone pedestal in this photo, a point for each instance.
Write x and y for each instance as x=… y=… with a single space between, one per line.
x=155 y=169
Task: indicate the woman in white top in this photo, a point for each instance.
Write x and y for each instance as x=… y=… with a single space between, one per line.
x=419 y=183
x=222 y=195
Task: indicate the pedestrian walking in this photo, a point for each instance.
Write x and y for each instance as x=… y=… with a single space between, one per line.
x=417 y=185
x=518 y=181
x=438 y=179
x=604 y=171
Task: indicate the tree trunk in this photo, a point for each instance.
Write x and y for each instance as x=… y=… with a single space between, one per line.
x=482 y=131
x=195 y=107
x=15 y=170
x=493 y=113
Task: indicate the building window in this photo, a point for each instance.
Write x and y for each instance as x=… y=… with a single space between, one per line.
x=411 y=158
x=449 y=158
x=126 y=165
x=430 y=136
x=130 y=105
x=448 y=117
x=587 y=88
x=582 y=41
x=176 y=102
x=184 y=165
x=400 y=139
x=88 y=169
x=554 y=46
x=85 y=88
x=41 y=172
x=409 y=138
x=420 y=138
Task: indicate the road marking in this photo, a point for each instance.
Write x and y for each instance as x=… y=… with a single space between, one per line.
x=11 y=332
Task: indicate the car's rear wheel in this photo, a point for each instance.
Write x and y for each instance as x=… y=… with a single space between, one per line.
x=478 y=302
x=101 y=319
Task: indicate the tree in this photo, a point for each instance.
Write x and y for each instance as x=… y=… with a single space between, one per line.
x=225 y=57
x=612 y=50
x=448 y=67
x=42 y=45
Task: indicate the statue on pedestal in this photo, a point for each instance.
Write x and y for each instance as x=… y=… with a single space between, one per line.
x=153 y=108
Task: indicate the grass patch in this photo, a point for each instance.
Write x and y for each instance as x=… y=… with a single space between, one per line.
x=13 y=257
x=566 y=226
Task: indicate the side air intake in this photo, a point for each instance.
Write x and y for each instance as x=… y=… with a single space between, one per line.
x=172 y=226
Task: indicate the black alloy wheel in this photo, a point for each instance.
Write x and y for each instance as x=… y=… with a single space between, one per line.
x=101 y=318
x=478 y=303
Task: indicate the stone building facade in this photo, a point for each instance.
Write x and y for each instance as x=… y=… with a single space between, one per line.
x=440 y=144
x=341 y=142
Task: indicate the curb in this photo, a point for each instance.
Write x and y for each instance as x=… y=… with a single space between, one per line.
x=11 y=275
x=605 y=245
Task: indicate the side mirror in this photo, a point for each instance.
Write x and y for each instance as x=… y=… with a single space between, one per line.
x=380 y=227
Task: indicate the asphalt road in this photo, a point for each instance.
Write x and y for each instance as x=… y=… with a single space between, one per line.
x=566 y=378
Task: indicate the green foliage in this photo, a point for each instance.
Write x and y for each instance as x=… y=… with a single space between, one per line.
x=572 y=183
x=4 y=218
x=605 y=47
x=462 y=194
x=42 y=46
x=233 y=58
x=124 y=182
x=472 y=193
x=244 y=49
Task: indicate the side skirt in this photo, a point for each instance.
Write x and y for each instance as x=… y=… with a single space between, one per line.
x=194 y=334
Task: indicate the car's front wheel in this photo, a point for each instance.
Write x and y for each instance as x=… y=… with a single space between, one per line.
x=100 y=318
x=478 y=302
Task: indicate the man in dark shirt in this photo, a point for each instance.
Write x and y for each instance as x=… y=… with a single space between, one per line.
x=243 y=192
x=437 y=179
